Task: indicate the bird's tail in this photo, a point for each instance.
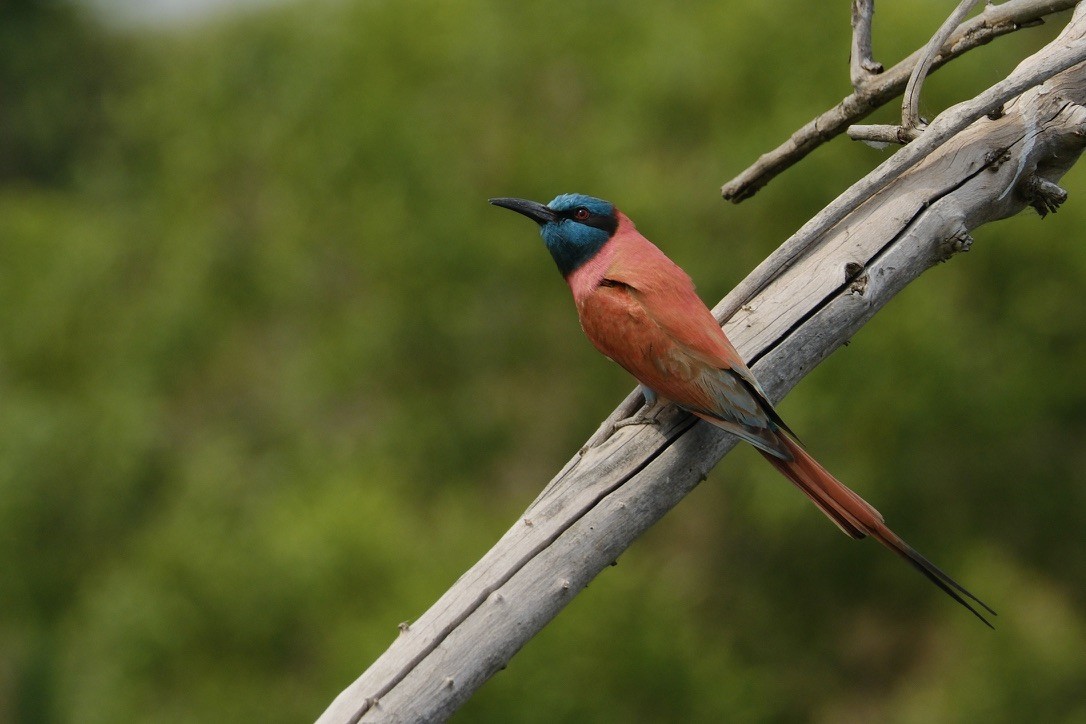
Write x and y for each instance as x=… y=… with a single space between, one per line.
x=857 y=518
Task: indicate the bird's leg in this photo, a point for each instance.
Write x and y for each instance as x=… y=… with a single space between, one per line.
x=647 y=414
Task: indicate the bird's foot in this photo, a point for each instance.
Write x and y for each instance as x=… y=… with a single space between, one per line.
x=648 y=414
x=640 y=418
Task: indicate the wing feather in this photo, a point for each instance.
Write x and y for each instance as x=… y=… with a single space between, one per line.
x=647 y=317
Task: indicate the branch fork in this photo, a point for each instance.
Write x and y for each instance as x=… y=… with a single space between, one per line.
x=873 y=90
x=912 y=125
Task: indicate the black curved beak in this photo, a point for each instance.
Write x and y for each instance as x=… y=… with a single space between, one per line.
x=534 y=210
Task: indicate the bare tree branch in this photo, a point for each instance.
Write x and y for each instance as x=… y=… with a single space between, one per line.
x=879 y=136
x=910 y=102
x=802 y=303
x=1064 y=52
x=994 y=21
x=861 y=65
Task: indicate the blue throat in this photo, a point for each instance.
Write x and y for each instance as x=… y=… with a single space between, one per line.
x=572 y=247
x=573 y=238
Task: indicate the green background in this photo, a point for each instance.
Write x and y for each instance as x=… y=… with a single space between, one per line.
x=273 y=374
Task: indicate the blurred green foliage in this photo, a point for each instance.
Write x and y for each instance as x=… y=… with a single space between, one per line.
x=273 y=374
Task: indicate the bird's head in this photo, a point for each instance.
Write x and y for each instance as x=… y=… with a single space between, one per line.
x=574 y=226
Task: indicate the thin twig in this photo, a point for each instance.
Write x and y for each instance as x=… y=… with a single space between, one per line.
x=880 y=135
x=994 y=21
x=910 y=102
x=861 y=64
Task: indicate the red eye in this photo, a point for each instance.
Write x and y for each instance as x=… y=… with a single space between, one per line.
x=581 y=214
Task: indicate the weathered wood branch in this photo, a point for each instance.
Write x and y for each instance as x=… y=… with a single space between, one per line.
x=802 y=303
x=992 y=22
x=910 y=99
x=862 y=66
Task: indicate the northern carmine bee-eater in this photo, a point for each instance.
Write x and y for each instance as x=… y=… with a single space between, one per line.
x=640 y=309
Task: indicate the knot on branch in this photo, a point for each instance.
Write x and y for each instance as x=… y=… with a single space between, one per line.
x=856 y=277
x=960 y=241
x=995 y=158
x=1042 y=194
x=873 y=67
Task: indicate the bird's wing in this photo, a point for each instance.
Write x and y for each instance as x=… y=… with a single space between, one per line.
x=651 y=321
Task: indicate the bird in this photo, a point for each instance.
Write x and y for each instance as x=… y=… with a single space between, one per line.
x=641 y=310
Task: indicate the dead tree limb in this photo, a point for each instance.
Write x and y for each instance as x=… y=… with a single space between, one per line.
x=862 y=66
x=802 y=303
x=992 y=22
x=910 y=101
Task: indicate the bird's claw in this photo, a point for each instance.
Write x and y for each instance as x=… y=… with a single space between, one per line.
x=640 y=418
x=647 y=415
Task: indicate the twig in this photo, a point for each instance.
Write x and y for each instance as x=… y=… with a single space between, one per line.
x=910 y=102
x=994 y=21
x=861 y=64
x=882 y=135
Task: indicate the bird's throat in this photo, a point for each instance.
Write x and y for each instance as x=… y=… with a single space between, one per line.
x=572 y=245
x=584 y=279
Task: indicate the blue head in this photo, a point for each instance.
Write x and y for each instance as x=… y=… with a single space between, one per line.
x=574 y=226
